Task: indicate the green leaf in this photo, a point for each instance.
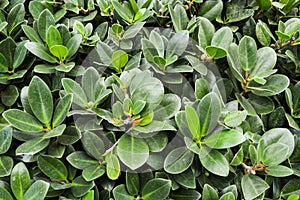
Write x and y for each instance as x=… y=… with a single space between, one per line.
x=9 y=95
x=119 y=59
x=132 y=151
x=37 y=190
x=263 y=33
x=234 y=63
x=276 y=84
x=177 y=44
x=266 y=60
x=120 y=193
x=193 y=121
x=178 y=160
x=209 y=193
x=80 y=187
x=52 y=167
x=235 y=118
x=292 y=187
x=31 y=34
x=275 y=154
x=4 y=194
x=93 y=145
x=73 y=45
x=253 y=186
x=215 y=52
x=186 y=179
x=53 y=37
x=45 y=20
x=247 y=53
x=6 y=165
x=168 y=107
x=23 y=121
x=157 y=188
x=125 y=13
x=19 y=180
x=7 y=49
x=214 y=161
x=211 y=9
x=72 y=87
x=5 y=139
x=70 y=136
x=40 y=51
x=157 y=142
x=32 y=146
x=225 y=139
x=93 y=172
x=55 y=132
x=132 y=183
x=59 y=51
x=89 y=196
x=205 y=32
x=80 y=160
x=183 y=194
x=262 y=105
x=279 y=171
x=238 y=157
x=222 y=38
x=40 y=100
x=209 y=109
x=15 y=17
x=113 y=169
x=264 y=4
x=19 y=54
x=179 y=17
x=138 y=106
x=227 y=196
x=61 y=110
x=201 y=88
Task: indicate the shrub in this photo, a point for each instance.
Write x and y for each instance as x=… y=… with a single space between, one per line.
x=186 y=99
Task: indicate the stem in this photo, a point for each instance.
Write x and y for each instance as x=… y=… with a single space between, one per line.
x=111 y=148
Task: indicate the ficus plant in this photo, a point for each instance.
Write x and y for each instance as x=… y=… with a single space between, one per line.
x=152 y=100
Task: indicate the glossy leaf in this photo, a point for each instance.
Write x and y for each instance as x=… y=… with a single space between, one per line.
x=38 y=190
x=80 y=187
x=178 y=160
x=93 y=144
x=248 y=53
x=156 y=189
x=19 y=180
x=52 y=167
x=6 y=165
x=5 y=139
x=23 y=121
x=132 y=151
x=253 y=186
x=40 y=100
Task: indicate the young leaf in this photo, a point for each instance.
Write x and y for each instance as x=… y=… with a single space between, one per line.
x=119 y=59
x=19 y=180
x=113 y=169
x=53 y=37
x=59 y=51
x=193 y=121
x=23 y=121
x=40 y=100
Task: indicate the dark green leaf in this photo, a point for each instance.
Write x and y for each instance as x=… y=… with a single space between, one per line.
x=32 y=146
x=156 y=189
x=45 y=20
x=253 y=186
x=93 y=144
x=52 y=167
x=178 y=160
x=40 y=100
x=80 y=187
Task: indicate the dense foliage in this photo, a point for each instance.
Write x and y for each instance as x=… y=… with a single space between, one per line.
x=149 y=99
